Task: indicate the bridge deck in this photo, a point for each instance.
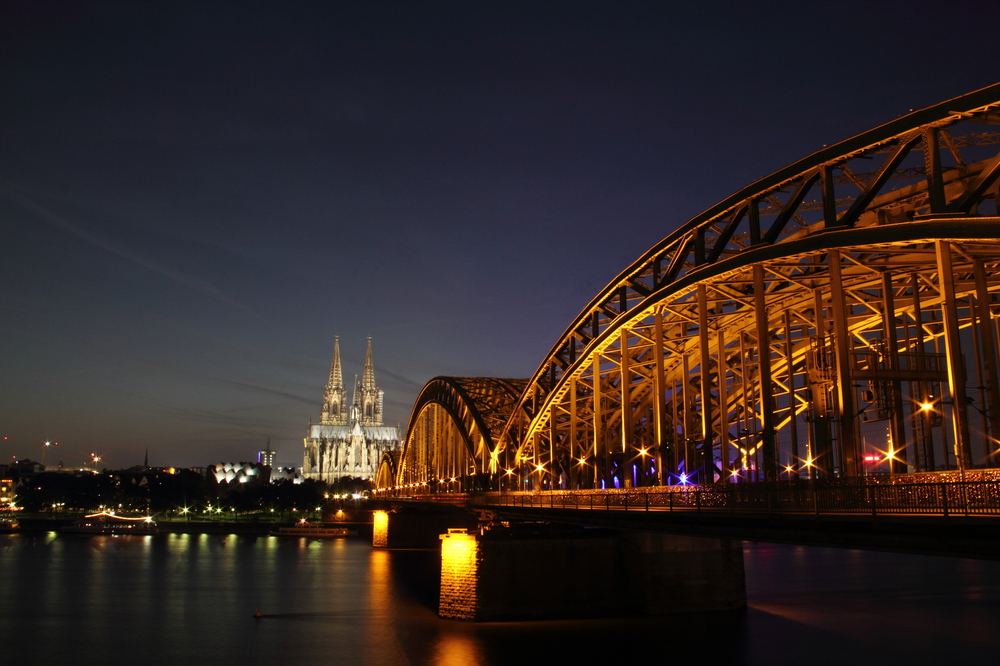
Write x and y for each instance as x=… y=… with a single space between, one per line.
x=954 y=519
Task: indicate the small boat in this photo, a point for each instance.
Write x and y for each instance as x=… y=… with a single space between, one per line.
x=312 y=530
x=109 y=523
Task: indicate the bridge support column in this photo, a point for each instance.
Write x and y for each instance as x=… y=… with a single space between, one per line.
x=847 y=433
x=416 y=529
x=503 y=575
x=953 y=352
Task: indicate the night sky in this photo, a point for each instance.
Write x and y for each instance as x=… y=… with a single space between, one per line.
x=196 y=196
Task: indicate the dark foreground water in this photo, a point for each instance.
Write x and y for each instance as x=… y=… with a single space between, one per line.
x=176 y=599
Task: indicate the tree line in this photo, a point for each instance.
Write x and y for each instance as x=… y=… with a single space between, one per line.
x=182 y=492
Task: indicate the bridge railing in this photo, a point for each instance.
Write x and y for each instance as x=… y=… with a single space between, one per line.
x=945 y=499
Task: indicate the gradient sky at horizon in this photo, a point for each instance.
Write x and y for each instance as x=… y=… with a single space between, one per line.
x=196 y=197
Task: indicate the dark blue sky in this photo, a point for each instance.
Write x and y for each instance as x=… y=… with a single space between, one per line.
x=195 y=197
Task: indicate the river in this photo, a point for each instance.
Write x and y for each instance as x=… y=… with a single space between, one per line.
x=177 y=598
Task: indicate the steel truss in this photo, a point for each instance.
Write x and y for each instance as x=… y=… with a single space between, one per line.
x=841 y=309
x=451 y=437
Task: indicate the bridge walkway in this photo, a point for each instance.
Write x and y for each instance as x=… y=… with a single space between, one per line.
x=951 y=519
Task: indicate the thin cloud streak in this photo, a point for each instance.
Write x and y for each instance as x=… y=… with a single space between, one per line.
x=190 y=281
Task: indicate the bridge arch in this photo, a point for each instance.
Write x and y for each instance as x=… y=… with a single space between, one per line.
x=840 y=309
x=388 y=469
x=451 y=435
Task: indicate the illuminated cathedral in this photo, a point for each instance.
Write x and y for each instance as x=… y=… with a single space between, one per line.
x=349 y=439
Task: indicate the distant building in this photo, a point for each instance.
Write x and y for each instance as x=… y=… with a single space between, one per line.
x=349 y=440
x=248 y=472
x=285 y=474
x=25 y=467
x=266 y=458
x=7 y=492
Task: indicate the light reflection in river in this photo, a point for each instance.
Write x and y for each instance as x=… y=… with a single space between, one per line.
x=169 y=598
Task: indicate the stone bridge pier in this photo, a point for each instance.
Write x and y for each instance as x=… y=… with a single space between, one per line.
x=411 y=527
x=535 y=572
x=494 y=570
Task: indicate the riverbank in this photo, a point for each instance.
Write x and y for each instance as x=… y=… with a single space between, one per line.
x=50 y=524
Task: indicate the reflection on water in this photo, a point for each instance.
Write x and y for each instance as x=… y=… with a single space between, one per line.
x=107 y=600
x=457 y=649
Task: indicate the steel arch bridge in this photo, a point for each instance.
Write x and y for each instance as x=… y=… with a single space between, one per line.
x=836 y=318
x=452 y=436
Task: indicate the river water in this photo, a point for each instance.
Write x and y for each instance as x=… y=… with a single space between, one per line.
x=176 y=598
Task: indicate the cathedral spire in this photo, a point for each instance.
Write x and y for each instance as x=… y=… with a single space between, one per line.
x=368 y=379
x=355 y=401
x=367 y=396
x=336 y=376
x=335 y=396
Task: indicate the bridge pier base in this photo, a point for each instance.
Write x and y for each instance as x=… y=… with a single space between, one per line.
x=416 y=529
x=514 y=575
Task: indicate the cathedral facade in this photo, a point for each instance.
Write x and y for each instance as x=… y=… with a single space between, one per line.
x=349 y=439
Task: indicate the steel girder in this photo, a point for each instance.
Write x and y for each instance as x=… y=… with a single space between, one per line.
x=451 y=436
x=919 y=168
x=388 y=469
x=856 y=341
x=766 y=335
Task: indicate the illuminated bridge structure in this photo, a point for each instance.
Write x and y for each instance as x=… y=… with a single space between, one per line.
x=832 y=323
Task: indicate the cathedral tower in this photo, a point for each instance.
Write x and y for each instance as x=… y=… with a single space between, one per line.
x=350 y=439
x=367 y=396
x=334 y=410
